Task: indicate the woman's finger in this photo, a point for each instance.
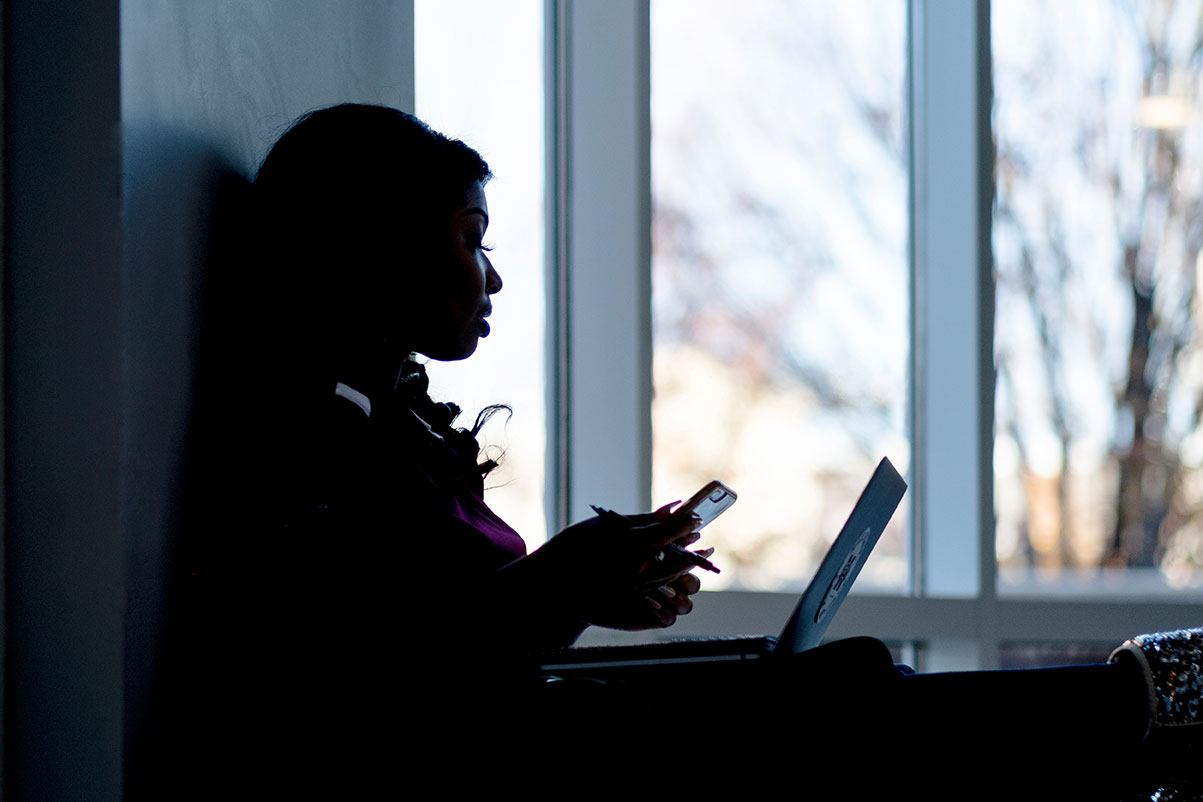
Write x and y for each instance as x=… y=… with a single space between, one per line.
x=668 y=530
x=688 y=584
x=665 y=568
x=676 y=599
x=665 y=614
x=648 y=518
x=667 y=509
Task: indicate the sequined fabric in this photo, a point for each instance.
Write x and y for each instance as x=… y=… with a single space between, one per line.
x=1173 y=666
x=1173 y=795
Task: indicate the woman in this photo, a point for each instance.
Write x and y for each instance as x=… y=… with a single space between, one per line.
x=365 y=581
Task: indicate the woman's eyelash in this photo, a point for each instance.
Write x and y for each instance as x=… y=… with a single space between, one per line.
x=486 y=246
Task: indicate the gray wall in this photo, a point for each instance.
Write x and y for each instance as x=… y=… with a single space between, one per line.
x=120 y=120
x=239 y=72
x=62 y=330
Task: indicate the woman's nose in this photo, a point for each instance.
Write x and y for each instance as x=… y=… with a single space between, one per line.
x=492 y=280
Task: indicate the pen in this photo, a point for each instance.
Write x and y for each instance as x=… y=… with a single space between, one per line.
x=689 y=556
x=695 y=559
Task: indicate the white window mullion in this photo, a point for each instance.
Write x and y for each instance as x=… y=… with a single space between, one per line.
x=603 y=205
x=952 y=305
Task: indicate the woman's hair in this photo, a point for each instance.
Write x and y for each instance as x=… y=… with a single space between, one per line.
x=344 y=205
x=338 y=167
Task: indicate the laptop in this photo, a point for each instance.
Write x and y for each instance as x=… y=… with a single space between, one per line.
x=805 y=627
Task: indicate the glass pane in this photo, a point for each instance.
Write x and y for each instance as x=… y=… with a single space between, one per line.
x=479 y=77
x=1098 y=453
x=780 y=286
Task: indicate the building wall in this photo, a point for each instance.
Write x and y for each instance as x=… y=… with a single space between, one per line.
x=123 y=120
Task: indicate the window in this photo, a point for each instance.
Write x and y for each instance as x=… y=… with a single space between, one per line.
x=899 y=241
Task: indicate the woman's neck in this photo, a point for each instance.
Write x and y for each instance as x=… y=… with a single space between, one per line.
x=373 y=371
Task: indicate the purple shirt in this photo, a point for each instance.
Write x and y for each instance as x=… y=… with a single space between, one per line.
x=466 y=499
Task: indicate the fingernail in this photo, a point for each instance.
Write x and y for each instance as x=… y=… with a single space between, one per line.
x=667 y=591
x=705 y=552
x=668 y=507
x=655 y=604
x=693 y=537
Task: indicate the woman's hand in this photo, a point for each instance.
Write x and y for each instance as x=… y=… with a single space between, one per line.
x=610 y=570
x=656 y=609
x=620 y=572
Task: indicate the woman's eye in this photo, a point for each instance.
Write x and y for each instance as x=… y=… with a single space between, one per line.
x=477 y=241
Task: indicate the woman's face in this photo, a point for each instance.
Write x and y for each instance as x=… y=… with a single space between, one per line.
x=455 y=298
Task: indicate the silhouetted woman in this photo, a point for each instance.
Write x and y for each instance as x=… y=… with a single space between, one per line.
x=363 y=581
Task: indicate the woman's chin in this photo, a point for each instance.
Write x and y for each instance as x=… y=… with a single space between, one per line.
x=452 y=354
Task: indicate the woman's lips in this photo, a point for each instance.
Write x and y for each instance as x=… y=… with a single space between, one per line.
x=486 y=309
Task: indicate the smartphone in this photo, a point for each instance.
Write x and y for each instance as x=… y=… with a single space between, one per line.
x=709 y=503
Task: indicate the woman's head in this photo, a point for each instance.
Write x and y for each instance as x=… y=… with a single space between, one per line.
x=370 y=227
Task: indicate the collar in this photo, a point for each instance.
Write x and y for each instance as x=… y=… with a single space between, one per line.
x=355 y=397
x=363 y=402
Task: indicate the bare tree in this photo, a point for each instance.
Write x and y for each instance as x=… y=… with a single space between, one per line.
x=1147 y=176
